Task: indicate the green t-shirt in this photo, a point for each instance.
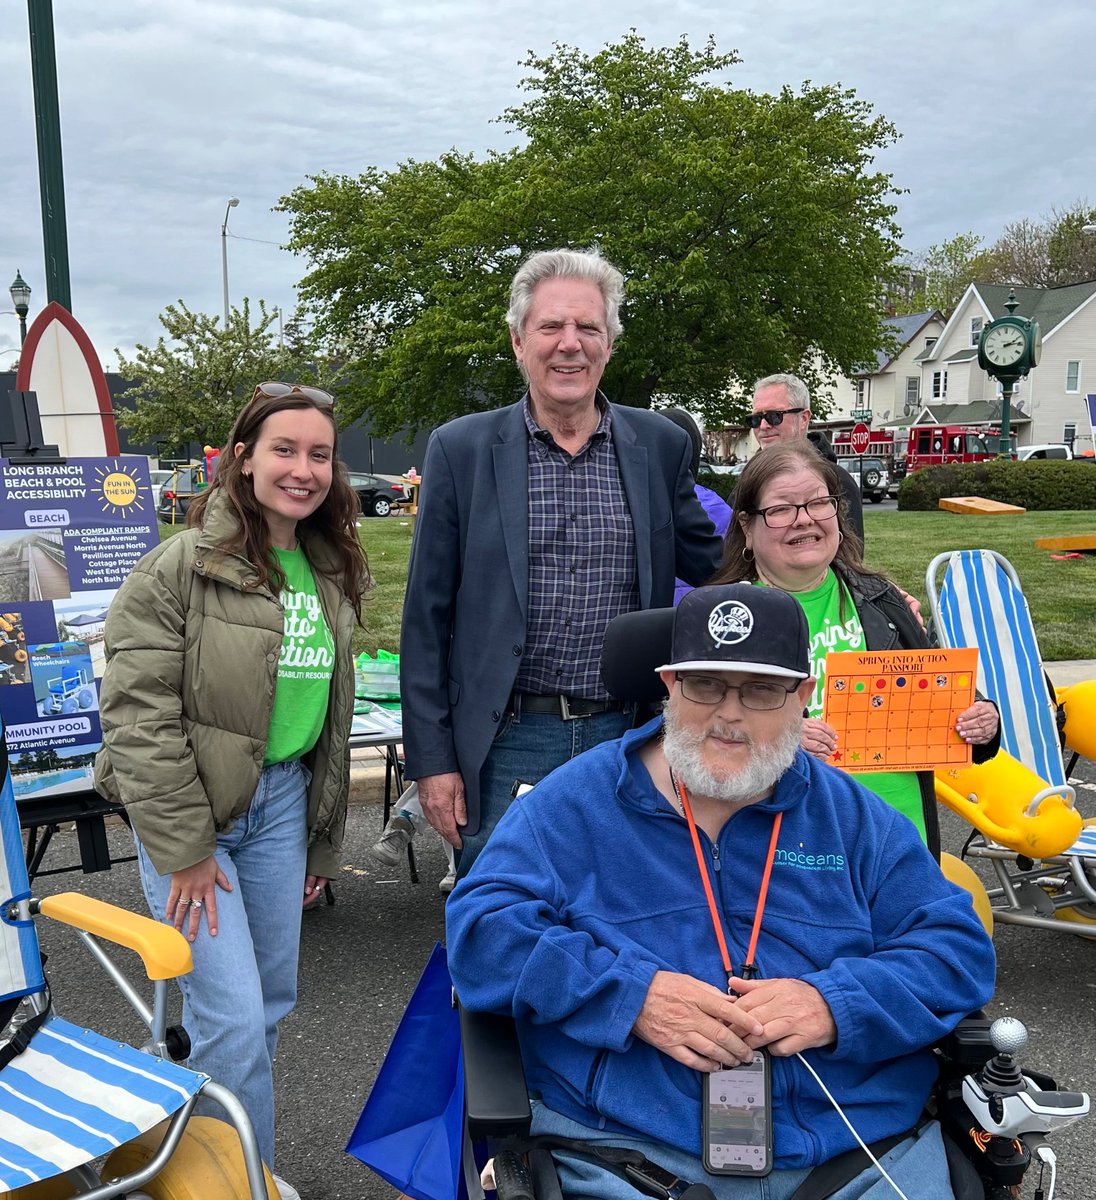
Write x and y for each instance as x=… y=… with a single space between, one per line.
x=305 y=667
x=830 y=632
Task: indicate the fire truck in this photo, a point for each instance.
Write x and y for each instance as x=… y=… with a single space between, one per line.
x=905 y=450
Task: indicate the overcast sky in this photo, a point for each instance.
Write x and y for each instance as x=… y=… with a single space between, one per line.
x=168 y=109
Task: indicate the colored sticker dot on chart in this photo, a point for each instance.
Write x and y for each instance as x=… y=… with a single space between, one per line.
x=963 y=680
x=880 y=683
x=859 y=686
x=900 y=683
x=922 y=683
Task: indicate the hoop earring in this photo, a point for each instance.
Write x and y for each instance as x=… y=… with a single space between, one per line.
x=747 y=554
x=840 y=537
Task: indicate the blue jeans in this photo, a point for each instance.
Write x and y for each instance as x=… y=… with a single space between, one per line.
x=528 y=748
x=245 y=979
x=918 y=1165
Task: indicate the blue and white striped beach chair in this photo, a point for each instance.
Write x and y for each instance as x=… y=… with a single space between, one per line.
x=979 y=602
x=69 y=1096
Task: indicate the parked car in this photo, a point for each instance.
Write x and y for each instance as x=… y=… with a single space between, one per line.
x=378 y=496
x=177 y=492
x=721 y=468
x=876 y=483
x=1049 y=450
x=158 y=479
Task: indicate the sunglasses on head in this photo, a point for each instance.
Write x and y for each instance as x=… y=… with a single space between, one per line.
x=274 y=390
x=774 y=416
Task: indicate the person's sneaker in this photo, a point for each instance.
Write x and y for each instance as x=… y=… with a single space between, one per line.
x=286 y=1191
x=448 y=881
x=394 y=841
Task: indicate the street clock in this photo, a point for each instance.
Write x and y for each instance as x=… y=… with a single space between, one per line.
x=1007 y=350
x=1010 y=346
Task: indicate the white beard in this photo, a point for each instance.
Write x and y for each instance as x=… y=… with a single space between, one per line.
x=684 y=748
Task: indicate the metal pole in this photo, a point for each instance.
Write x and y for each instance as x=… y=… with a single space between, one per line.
x=51 y=179
x=224 y=253
x=1004 y=444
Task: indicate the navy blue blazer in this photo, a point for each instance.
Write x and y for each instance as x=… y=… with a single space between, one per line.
x=464 y=616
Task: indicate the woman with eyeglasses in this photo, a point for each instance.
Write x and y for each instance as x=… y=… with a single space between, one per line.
x=226 y=705
x=789 y=532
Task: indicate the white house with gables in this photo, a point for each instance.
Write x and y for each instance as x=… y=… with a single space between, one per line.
x=889 y=389
x=933 y=377
x=1049 y=405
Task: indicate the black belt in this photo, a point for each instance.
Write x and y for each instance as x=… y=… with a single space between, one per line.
x=567 y=708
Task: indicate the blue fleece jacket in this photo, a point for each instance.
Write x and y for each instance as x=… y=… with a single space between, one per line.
x=589 y=885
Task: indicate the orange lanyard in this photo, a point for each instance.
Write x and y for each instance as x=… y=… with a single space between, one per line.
x=749 y=967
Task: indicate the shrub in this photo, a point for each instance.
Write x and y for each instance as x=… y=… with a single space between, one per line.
x=1036 y=485
x=724 y=484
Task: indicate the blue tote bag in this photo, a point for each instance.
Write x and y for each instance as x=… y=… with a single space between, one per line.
x=411 y=1129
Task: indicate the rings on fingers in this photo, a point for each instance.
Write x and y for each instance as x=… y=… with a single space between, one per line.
x=195 y=904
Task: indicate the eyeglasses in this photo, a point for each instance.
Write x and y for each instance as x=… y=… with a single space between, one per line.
x=275 y=390
x=780 y=516
x=774 y=416
x=706 y=689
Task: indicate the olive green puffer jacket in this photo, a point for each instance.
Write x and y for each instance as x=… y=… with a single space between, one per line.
x=188 y=690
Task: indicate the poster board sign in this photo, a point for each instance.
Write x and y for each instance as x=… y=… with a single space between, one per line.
x=895 y=710
x=70 y=533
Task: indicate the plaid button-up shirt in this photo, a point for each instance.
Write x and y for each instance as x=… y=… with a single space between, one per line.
x=582 y=560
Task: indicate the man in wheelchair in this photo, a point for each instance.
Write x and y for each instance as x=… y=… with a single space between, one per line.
x=716 y=948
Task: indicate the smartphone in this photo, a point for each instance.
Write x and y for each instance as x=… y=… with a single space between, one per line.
x=737 y=1133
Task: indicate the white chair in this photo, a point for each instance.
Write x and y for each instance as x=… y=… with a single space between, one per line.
x=69 y=1096
x=1020 y=803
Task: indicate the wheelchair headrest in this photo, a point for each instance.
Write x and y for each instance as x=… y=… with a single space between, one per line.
x=636 y=643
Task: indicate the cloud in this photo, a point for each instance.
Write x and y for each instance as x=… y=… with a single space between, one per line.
x=167 y=110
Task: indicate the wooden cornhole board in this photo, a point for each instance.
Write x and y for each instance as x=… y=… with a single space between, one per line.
x=978 y=506
x=1074 y=541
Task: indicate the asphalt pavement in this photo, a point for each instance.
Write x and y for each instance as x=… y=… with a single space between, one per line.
x=362 y=956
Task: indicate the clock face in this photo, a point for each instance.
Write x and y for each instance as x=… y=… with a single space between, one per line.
x=1036 y=348
x=1004 y=345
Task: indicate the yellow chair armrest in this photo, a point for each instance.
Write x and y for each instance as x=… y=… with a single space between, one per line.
x=163 y=950
x=995 y=797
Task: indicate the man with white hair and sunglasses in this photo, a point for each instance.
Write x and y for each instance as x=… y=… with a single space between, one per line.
x=782 y=412
x=702 y=895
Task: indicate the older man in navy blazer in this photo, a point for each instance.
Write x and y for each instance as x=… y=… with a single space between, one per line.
x=538 y=523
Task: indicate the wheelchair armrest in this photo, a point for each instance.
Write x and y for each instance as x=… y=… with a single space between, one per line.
x=967 y=1047
x=163 y=950
x=496 y=1098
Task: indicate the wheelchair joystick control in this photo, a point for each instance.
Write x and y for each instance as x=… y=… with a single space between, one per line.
x=1008 y=1104
x=1001 y=1075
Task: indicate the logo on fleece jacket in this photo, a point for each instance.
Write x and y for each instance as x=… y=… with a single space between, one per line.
x=803 y=860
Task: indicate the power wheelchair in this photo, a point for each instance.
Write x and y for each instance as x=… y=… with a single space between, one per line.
x=995 y=1114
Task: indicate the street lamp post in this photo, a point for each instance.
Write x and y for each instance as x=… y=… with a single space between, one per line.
x=20 y=300
x=232 y=203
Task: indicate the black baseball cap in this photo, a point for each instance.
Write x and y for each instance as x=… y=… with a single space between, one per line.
x=740 y=627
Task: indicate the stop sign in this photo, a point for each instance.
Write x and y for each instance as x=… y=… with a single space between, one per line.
x=859 y=438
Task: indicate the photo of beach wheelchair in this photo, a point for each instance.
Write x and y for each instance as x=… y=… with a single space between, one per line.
x=70 y=692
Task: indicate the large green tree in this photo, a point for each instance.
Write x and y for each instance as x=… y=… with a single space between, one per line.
x=192 y=382
x=752 y=229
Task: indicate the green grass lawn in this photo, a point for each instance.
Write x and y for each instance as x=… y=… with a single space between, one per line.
x=1062 y=595
x=387 y=543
